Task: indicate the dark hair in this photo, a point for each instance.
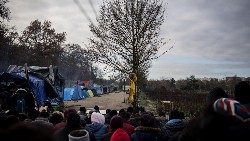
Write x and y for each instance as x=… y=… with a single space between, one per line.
x=113 y=113
x=96 y=108
x=242 y=92
x=215 y=94
x=130 y=109
x=147 y=121
x=108 y=110
x=83 y=109
x=55 y=118
x=121 y=110
x=22 y=116
x=44 y=114
x=175 y=114
x=124 y=115
x=73 y=119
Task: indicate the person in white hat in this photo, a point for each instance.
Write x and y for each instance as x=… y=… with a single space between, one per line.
x=79 y=135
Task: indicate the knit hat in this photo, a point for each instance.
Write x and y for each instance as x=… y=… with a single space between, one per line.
x=97 y=117
x=120 y=135
x=231 y=108
x=215 y=94
x=70 y=110
x=175 y=125
x=79 y=135
x=116 y=122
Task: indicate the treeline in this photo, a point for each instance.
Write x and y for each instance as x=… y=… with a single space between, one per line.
x=193 y=85
x=40 y=45
x=188 y=95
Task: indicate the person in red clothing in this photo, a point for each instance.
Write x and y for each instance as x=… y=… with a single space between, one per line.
x=115 y=123
x=120 y=135
x=127 y=127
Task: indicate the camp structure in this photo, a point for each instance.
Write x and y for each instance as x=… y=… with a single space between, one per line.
x=46 y=83
x=82 y=89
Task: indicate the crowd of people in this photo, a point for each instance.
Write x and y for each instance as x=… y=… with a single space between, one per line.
x=224 y=117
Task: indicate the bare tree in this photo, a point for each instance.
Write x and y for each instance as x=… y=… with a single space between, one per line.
x=127 y=35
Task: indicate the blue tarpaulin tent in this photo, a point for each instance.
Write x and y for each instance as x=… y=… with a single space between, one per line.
x=68 y=92
x=75 y=93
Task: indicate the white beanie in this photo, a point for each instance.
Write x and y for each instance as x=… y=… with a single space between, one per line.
x=79 y=135
x=97 y=117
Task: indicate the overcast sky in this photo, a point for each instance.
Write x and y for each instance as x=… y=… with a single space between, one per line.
x=210 y=38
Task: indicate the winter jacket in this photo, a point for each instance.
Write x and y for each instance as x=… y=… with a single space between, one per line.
x=98 y=129
x=146 y=134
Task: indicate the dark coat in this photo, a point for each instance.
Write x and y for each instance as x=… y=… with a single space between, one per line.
x=146 y=134
x=107 y=136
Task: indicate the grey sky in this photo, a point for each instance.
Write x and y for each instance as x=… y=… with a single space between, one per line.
x=210 y=38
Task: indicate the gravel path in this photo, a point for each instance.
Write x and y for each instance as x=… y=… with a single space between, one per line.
x=106 y=101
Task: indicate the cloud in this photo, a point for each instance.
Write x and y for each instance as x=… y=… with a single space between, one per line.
x=65 y=16
x=210 y=38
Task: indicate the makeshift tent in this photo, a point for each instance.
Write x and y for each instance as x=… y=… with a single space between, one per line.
x=68 y=92
x=85 y=93
x=75 y=93
x=90 y=93
x=46 y=82
x=90 y=85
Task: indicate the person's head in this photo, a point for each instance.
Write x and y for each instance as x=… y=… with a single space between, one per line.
x=130 y=110
x=175 y=114
x=121 y=110
x=97 y=118
x=55 y=118
x=22 y=116
x=79 y=135
x=120 y=135
x=96 y=108
x=83 y=109
x=147 y=120
x=29 y=132
x=66 y=112
x=232 y=109
x=242 y=92
x=215 y=94
x=73 y=119
x=108 y=110
x=116 y=122
x=125 y=116
x=44 y=114
x=113 y=113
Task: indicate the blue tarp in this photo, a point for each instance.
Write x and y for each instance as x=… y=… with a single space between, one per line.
x=37 y=85
x=68 y=92
x=98 y=90
x=85 y=93
x=75 y=93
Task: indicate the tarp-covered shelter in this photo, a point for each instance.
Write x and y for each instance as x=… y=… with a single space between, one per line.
x=45 y=82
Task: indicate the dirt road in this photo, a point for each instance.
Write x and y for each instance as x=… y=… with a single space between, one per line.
x=106 y=101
